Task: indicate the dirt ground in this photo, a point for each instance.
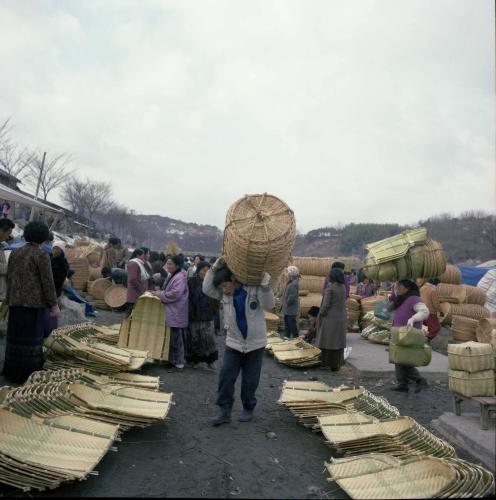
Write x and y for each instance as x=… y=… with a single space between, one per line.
x=186 y=457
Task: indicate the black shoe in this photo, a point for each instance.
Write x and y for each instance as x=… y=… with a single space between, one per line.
x=399 y=388
x=246 y=415
x=224 y=417
x=421 y=384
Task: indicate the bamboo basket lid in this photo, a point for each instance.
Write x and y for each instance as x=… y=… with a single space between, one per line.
x=258 y=237
x=484 y=330
x=115 y=296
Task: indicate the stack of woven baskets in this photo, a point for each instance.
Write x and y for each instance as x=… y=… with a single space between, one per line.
x=407 y=255
x=471 y=369
x=84 y=259
x=452 y=275
x=352 y=311
x=460 y=300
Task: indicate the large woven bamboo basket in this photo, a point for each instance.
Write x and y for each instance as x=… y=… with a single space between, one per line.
x=312 y=299
x=474 y=311
x=479 y=383
x=464 y=328
x=259 y=235
x=115 y=296
x=313 y=266
x=451 y=275
x=434 y=259
x=484 y=329
x=454 y=294
x=314 y=284
x=474 y=295
x=470 y=357
x=99 y=287
x=81 y=273
x=94 y=273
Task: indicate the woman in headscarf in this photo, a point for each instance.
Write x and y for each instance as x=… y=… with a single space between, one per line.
x=408 y=310
x=291 y=303
x=137 y=279
x=32 y=299
x=175 y=297
x=202 y=308
x=60 y=266
x=331 y=322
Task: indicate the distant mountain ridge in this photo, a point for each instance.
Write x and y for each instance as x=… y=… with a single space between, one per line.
x=470 y=237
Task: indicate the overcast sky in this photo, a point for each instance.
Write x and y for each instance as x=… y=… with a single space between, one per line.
x=349 y=110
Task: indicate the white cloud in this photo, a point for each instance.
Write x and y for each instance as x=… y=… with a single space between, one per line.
x=348 y=110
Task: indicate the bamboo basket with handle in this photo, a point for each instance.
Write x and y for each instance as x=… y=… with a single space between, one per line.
x=259 y=236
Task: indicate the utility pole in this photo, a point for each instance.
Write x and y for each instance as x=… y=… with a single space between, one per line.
x=31 y=217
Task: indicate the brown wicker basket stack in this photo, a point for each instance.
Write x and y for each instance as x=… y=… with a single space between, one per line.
x=468 y=310
x=259 y=235
x=452 y=275
x=464 y=328
x=454 y=294
x=313 y=266
x=474 y=295
x=314 y=284
x=312 y=299
x=352 y=310
x=81 y=273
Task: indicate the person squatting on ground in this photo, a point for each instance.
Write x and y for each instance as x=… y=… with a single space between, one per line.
x=31 y=298
x=174 y=295
x=332 y=322
x=246 y=337
x=202 y=309
x=311 y=333
x=408 y=310
x=291 y=303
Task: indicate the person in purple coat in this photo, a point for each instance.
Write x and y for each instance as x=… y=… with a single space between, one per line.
x=175 y=296
x=408 y=310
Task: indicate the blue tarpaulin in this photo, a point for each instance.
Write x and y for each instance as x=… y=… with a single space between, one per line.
x=472 y=275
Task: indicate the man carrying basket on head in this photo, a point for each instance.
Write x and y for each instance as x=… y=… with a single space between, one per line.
x=246 y=337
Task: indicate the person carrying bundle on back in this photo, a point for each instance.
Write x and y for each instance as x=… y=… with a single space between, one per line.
x=246 y=337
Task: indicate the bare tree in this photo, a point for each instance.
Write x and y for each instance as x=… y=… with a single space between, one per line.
x=55 y=173
x=13 y=159
x=87 y=198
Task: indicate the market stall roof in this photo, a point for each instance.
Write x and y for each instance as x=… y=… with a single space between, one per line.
x=13 y=195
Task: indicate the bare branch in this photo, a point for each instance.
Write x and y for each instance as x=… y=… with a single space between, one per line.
x=55 y=172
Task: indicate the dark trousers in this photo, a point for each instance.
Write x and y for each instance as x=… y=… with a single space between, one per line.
x=405 y=373
x=217 y=320
x=250 y=365
x=290 y=327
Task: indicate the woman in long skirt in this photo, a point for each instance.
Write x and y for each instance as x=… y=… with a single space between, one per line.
x=32 y=300
x=202 y=309
x=331 y=322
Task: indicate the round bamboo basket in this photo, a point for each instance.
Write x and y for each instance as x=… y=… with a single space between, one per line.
x=474 y=295
x=464 y=328
x=259 y=235
x=99 y=287
x=312 y=299
x=454 y=294
x=474 y=311
x=451 y=275
x=313 y=266
x=115 y=296
x=434 y=260
x=484 y=330
x=314 y=284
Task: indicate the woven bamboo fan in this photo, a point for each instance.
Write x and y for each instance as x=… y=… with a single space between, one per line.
x=314 y=284
x=484 y=329
x=115 y=296
x=475 y=295
x=312 y=299
x=259 y=236
x=454 y=294
x=464 y=328
x=98 y=288
x=451 y=275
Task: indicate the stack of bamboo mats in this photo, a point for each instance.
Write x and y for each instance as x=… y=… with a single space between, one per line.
x=296 y=352
x=387 y=456
x=145 y=329
x=89 y=346
x=381 y=475
x=59 y=424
